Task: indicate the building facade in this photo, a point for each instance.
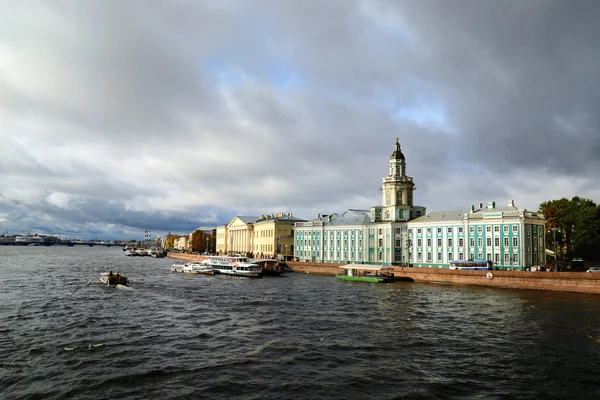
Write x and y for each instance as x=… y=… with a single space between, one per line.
x=374 y=236
x=266 y=236
x=400 y=233
x=509 y=237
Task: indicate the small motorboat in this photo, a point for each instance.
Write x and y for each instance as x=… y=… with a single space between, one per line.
x=110 y=278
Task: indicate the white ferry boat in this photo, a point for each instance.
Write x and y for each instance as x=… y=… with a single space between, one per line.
x=234 y=265
x=178 y=266
x=26 y=240
x=194 y=267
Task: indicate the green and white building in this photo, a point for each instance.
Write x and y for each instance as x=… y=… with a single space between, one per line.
x=400 y=233
x=509 y=237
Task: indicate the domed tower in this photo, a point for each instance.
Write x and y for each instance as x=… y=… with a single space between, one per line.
x=397 y=189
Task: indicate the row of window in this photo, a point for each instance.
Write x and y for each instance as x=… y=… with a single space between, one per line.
x=488 y=228
x=461 y=256
x=515 y=242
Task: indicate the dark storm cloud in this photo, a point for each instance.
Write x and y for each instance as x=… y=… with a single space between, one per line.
x=167 y=115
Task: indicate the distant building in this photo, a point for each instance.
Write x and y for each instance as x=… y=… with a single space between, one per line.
x=401 y=233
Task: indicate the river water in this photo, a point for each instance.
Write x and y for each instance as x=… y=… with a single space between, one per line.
x=178 y=336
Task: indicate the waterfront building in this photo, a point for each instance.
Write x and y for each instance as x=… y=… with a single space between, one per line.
x=182 y=242
x=511 y=238
x=401 y=233
x=264 y=236
x=377 y=235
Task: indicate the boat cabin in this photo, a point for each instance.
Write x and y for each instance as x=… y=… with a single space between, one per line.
x=366 y=273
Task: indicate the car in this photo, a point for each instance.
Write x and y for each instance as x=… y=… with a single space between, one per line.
x=595 y=268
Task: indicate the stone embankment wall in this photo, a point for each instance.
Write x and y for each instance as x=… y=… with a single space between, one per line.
x=580 y=282
x=184 y=256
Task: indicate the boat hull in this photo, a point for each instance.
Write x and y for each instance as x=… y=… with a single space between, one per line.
x=372 y=279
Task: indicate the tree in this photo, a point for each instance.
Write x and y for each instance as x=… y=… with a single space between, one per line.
x=170 y=242
x=576 y=223
x=198 y=242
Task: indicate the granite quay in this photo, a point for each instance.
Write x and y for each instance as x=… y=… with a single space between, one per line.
x=578 y=282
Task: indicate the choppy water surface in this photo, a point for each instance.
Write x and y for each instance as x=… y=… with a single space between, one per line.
x=177 y=336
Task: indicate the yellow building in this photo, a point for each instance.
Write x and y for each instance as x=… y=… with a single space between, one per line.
x=265 y=236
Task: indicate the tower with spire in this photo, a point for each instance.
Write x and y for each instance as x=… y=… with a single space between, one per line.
x=397 y=192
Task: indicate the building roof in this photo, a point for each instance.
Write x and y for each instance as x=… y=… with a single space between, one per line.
x=349 y=217
x=247 y=219
x=397 y=154
x=284 y=218
x=458 y=215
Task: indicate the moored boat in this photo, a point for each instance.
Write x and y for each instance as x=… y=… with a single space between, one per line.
x=110 y=278
x=194 y=267
x=178 y=266
x=234 y=266
x=269 y=267
x=366 y=273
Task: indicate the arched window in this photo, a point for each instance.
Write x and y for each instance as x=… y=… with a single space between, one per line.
x=380 y=256
x=387 y=215
x=387 y=198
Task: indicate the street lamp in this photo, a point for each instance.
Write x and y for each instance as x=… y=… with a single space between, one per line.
x=554 y=230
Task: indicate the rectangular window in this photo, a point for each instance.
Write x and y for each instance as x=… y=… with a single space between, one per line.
x=489 y=256
x=380 y=242
x=418 y=242
x=489 y=241
x=496 y=258
x=428 y=257
x=461 y=256
x=515 y=258
x=450 y=257
x=418 y=231
x=479 y=256
x=515 y=242
x=505 y=228
x=506 y=258
x=428 y=242
x=488 y=228
x=439 y=257
x=439 y=230
x=506 y=242
x=419 y=257
x=449 y=242
x=428 y=230
x=480 y=242
x=479 y=229
x=461 y=242
x=460 y=229
x=471 y=229
x=472 y=242
x=472 y=256
x=410 y=231
x=439 y=242
x=398 y=243
x=449 y=230
x=496 y=241
x=515 y=228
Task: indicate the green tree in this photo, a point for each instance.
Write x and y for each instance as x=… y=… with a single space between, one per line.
x=576 y=224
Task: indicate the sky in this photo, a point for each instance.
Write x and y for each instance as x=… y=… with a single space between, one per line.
x=121 y=116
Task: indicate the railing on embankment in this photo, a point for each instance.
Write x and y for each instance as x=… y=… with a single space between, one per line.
x=580 y=282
